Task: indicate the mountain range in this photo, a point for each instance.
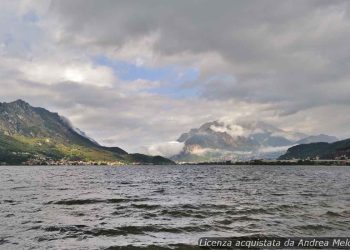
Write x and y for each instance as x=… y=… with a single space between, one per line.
x=34 y=135
x=241 y=140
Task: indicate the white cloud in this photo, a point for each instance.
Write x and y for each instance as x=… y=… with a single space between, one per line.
x=274 y=149
x=166 y=149
x=47 y=72
x=232 y=129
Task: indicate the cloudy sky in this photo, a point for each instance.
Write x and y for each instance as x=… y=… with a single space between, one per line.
x=137 y=74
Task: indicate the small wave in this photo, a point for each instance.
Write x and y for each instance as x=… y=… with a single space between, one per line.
x=61 y=232
x=159 y=182
x=278 y=194
x=69 y=228
x=346 y=212
x=244 y=179
x=204 y=206
x=244 y=218
x=88 y=201
x=3 y=241
x=149 y=215
x=313 y=227
x=126 y=230
x=224 y=222
x=308 y=194
x=215 y=206
x=176 y=213
x=18 y=188
x=115 y=232
x=9 y=201
x=250 y=211
x=189 y=206
x=288 y=206
x=161 y=191
x=333 y=214
x=326 y=195
x=31 y=222
x=78 y=230
x=146 y=206
x=188 y=210
x=78 y=214
x=267 y=210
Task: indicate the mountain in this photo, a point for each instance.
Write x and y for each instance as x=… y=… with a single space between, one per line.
x=242 y=140
x=321 y=150
x=37 y=136
x=318 y=138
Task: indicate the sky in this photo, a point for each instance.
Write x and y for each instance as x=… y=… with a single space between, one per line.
x=138 y=74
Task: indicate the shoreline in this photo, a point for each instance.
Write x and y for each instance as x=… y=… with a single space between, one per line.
x=277 y=162
x=224 y=163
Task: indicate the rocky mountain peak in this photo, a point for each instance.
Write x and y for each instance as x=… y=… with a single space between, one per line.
x=245 y=139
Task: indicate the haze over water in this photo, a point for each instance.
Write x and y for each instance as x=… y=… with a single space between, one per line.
x=167 y=206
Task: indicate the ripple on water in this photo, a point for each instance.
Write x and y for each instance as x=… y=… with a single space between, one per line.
x=146 y=206
x=333 y=214
x=313 y=227
x=78 y=230
x=3 y=241
x=69 y=202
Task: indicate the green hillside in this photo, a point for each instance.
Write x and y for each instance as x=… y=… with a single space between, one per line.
x=319 y=150
x=30 y=135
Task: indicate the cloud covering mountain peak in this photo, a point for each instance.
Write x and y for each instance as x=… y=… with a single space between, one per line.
x=239 y=139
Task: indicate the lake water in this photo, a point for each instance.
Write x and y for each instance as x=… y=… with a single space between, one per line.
x=160 y=207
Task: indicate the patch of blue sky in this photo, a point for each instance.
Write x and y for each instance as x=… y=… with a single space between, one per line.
x=30 y=17
x=172 y=78
x=24 y=32
x=176 y=91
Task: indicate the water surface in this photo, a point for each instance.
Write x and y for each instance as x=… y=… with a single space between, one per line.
x=167 y=206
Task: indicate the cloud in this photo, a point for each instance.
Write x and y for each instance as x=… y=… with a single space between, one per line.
x=274 y=149
x=233 y=130
x=48 y=72
x=166 y=149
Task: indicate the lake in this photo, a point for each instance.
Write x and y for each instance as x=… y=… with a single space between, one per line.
x=161 y=207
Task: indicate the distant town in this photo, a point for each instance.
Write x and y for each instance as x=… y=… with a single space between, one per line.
x=319 y=162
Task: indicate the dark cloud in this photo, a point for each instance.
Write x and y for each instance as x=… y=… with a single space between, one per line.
x=277 y=51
